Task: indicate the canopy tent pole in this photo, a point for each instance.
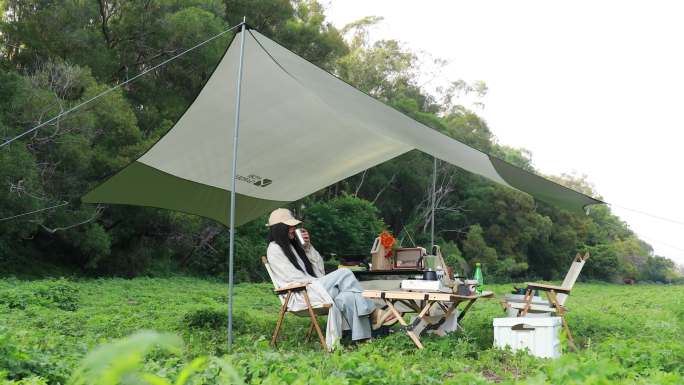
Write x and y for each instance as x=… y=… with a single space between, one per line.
x=432 y=219
x=231 y=249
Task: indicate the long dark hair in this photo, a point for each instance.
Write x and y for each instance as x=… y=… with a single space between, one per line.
x=279 y=235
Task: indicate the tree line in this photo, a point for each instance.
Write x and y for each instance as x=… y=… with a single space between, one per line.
x=57 y=54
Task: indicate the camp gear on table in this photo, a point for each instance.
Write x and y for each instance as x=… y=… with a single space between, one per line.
x=379 y=258
x=429 y=275
x=391 y=275
x=467 y=287
x=479 y=278
x=424 y=285
x=409 y=258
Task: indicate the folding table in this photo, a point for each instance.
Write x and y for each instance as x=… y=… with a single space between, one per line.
x=421 y=303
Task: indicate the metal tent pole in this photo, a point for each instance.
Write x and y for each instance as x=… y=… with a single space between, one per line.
x=231 y=251
x=432 y=220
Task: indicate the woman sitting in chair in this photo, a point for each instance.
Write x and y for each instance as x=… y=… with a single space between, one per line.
x=293 y=263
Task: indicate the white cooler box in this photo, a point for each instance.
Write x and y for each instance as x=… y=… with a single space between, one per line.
x=538 y=334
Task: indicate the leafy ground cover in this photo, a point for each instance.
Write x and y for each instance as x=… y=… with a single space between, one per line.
x=627 y=334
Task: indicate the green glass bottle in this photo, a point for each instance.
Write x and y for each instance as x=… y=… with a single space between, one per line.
x=479 y=278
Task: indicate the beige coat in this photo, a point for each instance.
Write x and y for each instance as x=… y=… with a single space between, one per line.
x=283 y=273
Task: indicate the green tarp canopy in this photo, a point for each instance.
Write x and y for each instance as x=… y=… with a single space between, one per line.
x=301 y=129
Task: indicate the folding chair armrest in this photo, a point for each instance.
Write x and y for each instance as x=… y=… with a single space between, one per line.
x=545 y=287
x=294 y=287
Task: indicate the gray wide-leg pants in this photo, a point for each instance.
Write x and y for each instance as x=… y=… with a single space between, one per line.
x=346 y=291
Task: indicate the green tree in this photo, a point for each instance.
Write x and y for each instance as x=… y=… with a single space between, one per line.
x=658 y=269
x=475 y=249
x=605 y=263
x=343 y=225
x=55 y=54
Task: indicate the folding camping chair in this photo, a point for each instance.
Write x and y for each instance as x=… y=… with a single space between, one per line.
x=555 y=294
x=284 y=294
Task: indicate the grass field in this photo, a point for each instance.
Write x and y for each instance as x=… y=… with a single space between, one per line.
x=627 y=334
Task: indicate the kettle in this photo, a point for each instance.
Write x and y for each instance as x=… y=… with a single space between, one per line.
x=429 y=263
x=429 y=275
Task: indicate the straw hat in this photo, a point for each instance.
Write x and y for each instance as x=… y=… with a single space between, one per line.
x=282 y=216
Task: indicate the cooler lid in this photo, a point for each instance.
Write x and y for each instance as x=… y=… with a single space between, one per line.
x=531 y=321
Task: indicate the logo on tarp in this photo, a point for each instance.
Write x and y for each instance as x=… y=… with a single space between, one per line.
x=255 y=180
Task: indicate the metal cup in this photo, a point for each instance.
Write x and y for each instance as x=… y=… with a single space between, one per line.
x=300 y=237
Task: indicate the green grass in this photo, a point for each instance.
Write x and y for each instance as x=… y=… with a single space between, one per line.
x=627 y=334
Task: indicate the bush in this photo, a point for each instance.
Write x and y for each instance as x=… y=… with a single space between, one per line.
x=216 y=319
x=33 y=380
x=603 y=264
x=658 y=269
x=206 y=318
x=60 y=293
x=345 y=224
x=14 y=299
x=12 y=360
x=453 y=258
x=26 y=365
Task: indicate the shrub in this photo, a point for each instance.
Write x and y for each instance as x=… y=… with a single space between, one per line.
x=60 y=293
x=33 y=380
x=206 y=318
x=216 y=319
x=14 y=299
x=12 y=360
x=343 y=225
x=453 y=257
x=603 y=264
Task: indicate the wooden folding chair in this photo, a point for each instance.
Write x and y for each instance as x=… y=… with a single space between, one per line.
x=284 y=294
x=555 y=294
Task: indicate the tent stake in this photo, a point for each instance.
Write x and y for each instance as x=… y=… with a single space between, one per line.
x=231 y=251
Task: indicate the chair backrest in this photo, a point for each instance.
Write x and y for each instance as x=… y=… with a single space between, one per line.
x=264 y=260
x=281 y=297
x=572 y=275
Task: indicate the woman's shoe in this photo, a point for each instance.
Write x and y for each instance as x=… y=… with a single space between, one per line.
x=382 y=331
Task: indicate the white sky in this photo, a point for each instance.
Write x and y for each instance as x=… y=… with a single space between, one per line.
x=588 y=86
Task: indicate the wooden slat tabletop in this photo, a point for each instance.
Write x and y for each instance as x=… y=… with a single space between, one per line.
x=416 y=295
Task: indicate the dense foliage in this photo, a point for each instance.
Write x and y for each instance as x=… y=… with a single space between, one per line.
x=626 y=334
x=56 y=54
